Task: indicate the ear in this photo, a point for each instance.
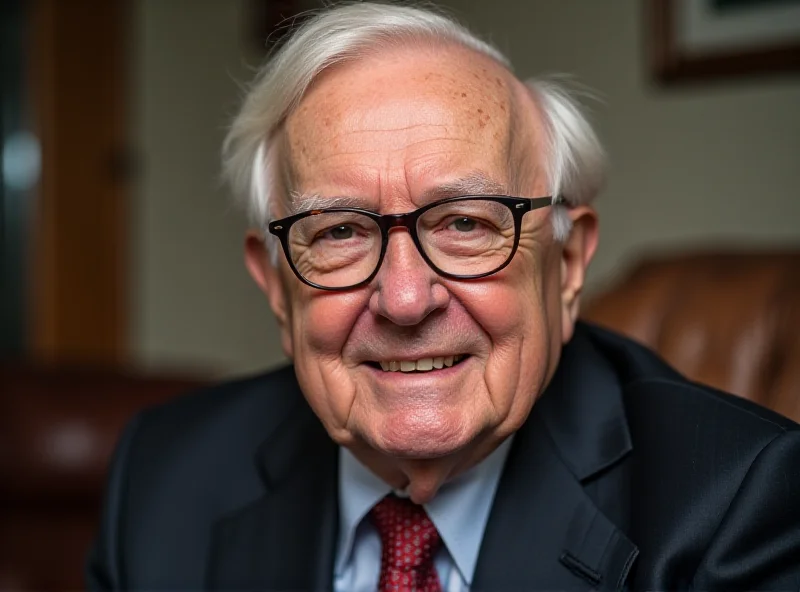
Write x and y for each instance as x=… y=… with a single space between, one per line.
x=577 y=252
x=268 y=277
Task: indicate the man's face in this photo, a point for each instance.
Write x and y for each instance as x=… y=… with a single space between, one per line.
x=395 y=132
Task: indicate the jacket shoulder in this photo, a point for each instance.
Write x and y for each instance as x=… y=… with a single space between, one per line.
x=207 y=436
x=644 y=375
x=179 y=467
x=702 y=462
x=264 y=396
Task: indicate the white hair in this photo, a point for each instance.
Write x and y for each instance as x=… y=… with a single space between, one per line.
x=575 y=162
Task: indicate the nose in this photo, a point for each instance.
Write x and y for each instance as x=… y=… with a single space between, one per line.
x=407 y=290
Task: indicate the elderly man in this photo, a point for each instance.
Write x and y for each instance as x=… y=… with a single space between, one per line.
x=424 y=228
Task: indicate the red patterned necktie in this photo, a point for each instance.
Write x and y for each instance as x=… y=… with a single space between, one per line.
x=409 y=541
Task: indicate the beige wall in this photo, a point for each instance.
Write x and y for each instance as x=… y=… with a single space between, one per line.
x=193 y=303
x=689 y=166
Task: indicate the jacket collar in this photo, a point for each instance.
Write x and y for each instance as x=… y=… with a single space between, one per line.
x=584 y=411
x=545 y=530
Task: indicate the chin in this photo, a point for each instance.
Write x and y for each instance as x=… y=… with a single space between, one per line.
x=421 y=436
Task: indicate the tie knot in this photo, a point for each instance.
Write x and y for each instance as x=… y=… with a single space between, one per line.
x=409 y=541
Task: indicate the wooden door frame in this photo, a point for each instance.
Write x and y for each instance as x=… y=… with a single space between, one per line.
x=79 y=274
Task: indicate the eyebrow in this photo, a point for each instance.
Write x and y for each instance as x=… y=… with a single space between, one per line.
x=475 y=183
x=314 y=201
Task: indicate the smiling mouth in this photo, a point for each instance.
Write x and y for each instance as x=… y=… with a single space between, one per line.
x=421 y=365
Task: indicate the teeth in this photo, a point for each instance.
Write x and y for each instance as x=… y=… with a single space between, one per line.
x=425 y=364
x=421 y=365
x=407 y=366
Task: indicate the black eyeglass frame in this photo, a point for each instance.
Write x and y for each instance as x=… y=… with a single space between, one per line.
x=519 y=206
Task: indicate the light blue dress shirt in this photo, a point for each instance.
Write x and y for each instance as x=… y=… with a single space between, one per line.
x=459 y=511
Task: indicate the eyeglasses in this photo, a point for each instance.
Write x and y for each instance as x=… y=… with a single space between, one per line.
x=460 y=238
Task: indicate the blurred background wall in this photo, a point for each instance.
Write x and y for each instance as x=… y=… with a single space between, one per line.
x=693 y=165
x=193 y=304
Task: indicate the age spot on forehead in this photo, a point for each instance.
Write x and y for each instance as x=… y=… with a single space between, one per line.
x=485 y=118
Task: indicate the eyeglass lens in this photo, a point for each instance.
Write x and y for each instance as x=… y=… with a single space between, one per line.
x=462 y=238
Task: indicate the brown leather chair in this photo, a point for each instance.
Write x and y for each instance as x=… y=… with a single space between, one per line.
x=58 y=427
x=730 y=320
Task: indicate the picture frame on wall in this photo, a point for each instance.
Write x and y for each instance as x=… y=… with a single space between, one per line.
x=695 y=40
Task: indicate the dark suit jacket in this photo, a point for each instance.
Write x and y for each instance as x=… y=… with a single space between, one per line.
x=624 y=475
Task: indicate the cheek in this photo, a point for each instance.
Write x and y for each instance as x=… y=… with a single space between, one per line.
x=323 y=321
x=514 y=309
x=509 y=305
x=321 y=325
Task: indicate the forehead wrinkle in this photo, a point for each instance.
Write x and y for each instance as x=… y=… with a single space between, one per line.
x=406 y=145
x=389 y=130
x=462 y=115
x=405 y=148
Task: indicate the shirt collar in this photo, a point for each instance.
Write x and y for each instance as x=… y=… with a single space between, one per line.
x=359 y=491
x=459 y=511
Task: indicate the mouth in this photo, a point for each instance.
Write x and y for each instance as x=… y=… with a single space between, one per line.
x=421 y=365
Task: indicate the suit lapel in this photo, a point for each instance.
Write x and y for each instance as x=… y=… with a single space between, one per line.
x=286 y=539
x=545 y=531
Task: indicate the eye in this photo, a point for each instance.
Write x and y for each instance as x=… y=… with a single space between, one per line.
x=464 y=224
x=340 y=232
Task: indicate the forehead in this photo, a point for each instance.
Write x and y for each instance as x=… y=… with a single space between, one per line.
x=401 y=122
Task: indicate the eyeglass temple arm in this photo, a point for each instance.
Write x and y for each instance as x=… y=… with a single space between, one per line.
x=542 y=202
